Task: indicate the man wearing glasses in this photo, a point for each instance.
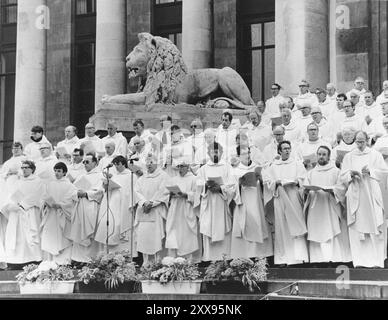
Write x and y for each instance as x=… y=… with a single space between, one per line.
x=305 y=96
x=22 y=238
x=272 y=104
x=197 y=144
x=325 y=103
x=90 y=192
x=76 y=169
x=38 y=138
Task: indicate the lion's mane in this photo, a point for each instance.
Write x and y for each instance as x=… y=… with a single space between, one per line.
x=165 y=70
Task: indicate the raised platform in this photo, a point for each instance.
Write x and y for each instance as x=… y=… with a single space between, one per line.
x=183 y=114
x=283 y=283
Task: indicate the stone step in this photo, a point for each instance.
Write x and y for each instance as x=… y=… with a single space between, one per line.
x=328 y=273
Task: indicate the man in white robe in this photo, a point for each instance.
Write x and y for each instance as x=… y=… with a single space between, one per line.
x=305 y=119
x=91 y=142
x=351 y=119
x=359 y=88
x=117 y=137
x=10 y=172
x=32 y=150
x=384 y=94
x=22 y=212
x=197 y=144
x=226 y=137
x=140 y=132
x=326 y=220
x=305 y=96
x=331 y=92
x=84 y=219
x=281 y=187
x=259 y=135
x=121 y=210
x=272 y=104
x=325 y=128
x=70 y=143
x=265 y=115
x=58 y=204
x=324 y=103
x=347 y=144
x=338 y=115
x=77 y=168
x=110 y=151
x=46 y=163
x=308 y=149
x=251 y=235
x=152 y=202
x=182 y=227
x=369 y=111
x=291 y=127
x=362 y=169
x=217 y=190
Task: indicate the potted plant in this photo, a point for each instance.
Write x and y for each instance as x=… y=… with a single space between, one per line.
x=172 y=275
x=236 y=276
x=109 y=273
x=46 y=278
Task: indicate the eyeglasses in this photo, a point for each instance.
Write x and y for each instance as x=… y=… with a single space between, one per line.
x=274 y=88
x=25 y=168
x=44 y=148
x=193 y=127
x=86 y=162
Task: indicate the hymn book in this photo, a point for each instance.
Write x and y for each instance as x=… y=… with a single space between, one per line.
x=174 y=189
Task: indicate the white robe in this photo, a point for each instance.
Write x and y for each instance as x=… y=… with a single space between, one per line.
x=69 y=145
x=22 y=238
x=76 y=170
x=56 y=223
x=120 y=220
x=365 y=216
x=215 y=216
x=227 y=139
x=84 y=219
x=96 y=144
x=182 y=227
x=259 y=136
x=32 y=151
x=290 y=245
x=342 y=147
x=251 y=236
x=307 y=98
x=356 y=122
x=326 y=131
x=272 y=105
x=45 y=168
x=293 y=132
x=121 y=144
x=150 y=228
x=8 y=182
x=326 y=222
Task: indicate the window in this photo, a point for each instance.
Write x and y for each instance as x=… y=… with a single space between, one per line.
x=85 y=7
x=256 y=45
x=167 y=20
x=257 y=57
x=8 y=11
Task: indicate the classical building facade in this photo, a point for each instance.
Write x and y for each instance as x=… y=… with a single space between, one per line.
x=58 y=57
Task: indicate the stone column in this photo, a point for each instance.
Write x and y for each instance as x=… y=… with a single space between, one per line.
x=30 y=87
x=197 y=33
x=110 y=48
x=302 y=43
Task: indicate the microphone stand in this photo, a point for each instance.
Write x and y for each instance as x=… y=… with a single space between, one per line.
x=107 y=211
x=132 y=213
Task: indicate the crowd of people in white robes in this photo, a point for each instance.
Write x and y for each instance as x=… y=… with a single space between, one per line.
x=304 y=180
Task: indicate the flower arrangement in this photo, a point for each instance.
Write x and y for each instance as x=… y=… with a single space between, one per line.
x=170 y=270
x=246 y=271
x=44 y=272
x=112 y=269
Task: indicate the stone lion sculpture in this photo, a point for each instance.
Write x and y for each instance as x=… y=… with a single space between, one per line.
x=164 y=78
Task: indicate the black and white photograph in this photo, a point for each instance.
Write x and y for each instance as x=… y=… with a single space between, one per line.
x=193 y=155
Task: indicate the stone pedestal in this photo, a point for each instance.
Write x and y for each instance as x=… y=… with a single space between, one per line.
x=110 y=48
x=197 y=36
x=30 y=90
x=183 y=114
x=302 y=43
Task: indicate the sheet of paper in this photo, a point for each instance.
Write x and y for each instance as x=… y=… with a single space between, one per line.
x=83 y=184
x=311 y=157
x=17 y=196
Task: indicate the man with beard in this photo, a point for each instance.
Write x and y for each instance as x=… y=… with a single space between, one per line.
x=281 y=187
x=216 y=188
x=326 y=223
x=152 y=202
x=362 y=169
x=32 y=150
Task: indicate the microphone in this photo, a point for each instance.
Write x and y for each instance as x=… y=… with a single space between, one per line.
x=110 y=165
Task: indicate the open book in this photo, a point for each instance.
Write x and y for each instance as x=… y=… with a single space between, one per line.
x=216 y=180
x=288 y=183
x=174 y=189
x=83 y=184
x=249 y=179
x=317 y=188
